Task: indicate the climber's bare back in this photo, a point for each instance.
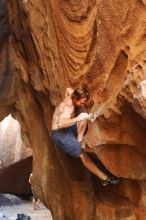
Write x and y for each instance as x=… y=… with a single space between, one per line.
x=64 y=116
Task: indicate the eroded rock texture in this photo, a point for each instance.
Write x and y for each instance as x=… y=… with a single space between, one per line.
x=56 y=44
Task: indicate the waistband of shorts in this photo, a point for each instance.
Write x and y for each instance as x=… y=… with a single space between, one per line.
x=58 y=130
x=54 y=131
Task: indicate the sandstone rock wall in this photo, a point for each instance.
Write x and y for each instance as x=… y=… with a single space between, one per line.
x=57 y=44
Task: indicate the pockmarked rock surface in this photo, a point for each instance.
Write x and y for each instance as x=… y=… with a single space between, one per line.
x=47 y=46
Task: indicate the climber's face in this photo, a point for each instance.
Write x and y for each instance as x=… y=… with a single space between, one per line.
x=80 y=103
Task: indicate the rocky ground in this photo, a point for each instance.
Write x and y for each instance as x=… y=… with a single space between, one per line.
x=11 y=206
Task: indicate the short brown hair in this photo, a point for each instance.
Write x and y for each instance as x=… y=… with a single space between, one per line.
x=81 y=92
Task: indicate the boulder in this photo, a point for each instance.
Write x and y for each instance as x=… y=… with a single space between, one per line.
x=48 y=46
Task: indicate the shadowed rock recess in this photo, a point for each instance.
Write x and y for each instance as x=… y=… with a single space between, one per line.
x=46 y=46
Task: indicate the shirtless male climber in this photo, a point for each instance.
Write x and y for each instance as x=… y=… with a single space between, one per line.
x=68 y=129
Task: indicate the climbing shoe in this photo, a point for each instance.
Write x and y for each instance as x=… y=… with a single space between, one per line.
x=111 y=180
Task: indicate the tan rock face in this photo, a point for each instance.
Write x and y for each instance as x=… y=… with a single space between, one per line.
x=57 y=44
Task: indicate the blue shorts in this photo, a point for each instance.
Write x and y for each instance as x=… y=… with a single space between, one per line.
x=66 y=139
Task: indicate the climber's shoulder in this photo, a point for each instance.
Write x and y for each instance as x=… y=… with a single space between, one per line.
x=68 y=92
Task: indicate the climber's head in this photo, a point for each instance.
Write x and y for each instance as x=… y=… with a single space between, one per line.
x=80 y=96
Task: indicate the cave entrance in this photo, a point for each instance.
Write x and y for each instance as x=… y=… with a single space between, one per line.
x=12 y=148
x=15 y=159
